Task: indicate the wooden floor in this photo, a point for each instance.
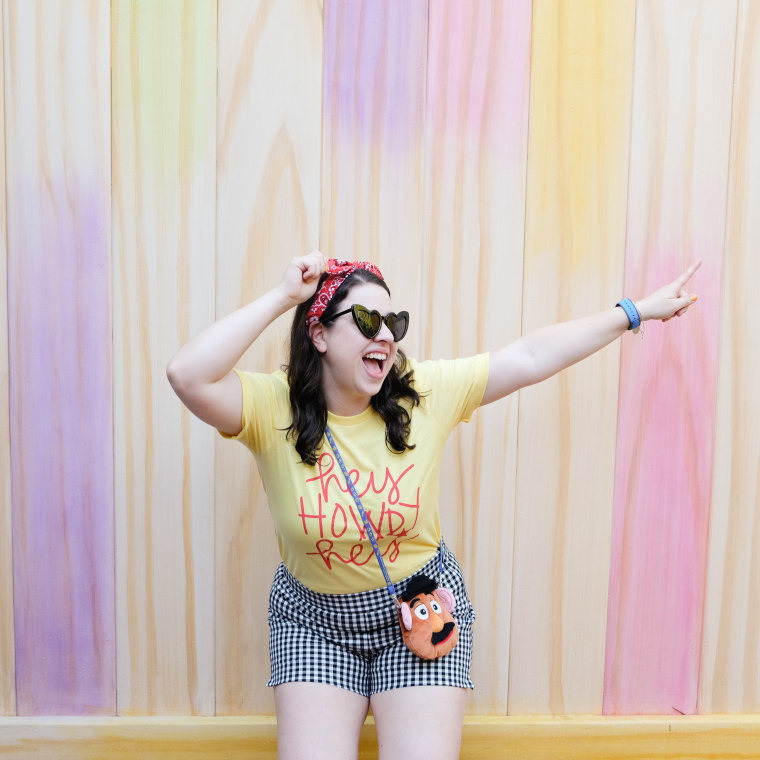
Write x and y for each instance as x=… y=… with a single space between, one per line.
x=485 y=738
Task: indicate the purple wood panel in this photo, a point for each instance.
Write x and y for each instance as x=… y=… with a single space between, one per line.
x=372 y=136
x=58 y=179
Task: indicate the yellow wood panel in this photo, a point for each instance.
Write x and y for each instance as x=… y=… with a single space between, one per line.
x=164 y=73
x=270 y=64
x=476 y=109
x=730 y=665
x=254 y=738
x=581 y=80
x=7 y=649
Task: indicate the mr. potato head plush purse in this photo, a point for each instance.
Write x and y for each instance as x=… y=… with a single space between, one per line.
x=424 y=609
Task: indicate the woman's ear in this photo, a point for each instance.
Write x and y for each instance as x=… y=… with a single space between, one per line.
x=317 y=335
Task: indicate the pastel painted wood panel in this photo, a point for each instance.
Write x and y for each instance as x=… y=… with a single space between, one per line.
x=58 y=177
x=7 y=648
x=730 y=658
x=676 y=215
x=270 y=64
x=372 y=160
x=581 y=71
x=476 y=130
x=164 y=78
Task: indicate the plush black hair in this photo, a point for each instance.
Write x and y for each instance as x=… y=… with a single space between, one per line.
x=419 y=584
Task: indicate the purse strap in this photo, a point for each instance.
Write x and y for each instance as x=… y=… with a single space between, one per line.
x=368 y=525
x=365 y=519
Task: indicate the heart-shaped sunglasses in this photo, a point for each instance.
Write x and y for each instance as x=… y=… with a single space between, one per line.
x=370 y=321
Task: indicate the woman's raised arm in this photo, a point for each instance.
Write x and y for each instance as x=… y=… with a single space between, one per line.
x=201 y=372
x=546 y=351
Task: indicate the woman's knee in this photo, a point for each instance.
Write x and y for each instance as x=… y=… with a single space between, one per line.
x=318 y=721
x=424 y=722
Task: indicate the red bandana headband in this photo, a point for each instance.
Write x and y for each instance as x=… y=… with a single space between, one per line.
x=337 y=271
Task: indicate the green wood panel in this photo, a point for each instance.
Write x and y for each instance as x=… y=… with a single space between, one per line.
x=164 y=158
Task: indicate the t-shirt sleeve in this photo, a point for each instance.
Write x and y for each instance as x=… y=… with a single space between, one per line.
x=265 y=408
x=452 y=389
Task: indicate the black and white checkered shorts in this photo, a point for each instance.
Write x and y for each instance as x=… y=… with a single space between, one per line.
x=354 y=640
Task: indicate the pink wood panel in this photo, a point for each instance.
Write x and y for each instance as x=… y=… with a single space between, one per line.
x=730 y=663
x=268 y=175
x=7 y=648
x=58 y=174
x=372 y=160
x=677 y=200
x=476 y=130
x=578 y=152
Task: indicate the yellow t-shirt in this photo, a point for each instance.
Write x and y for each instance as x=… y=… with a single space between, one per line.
x=320 y=532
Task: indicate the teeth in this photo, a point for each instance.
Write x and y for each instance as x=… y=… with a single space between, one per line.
x=380 y=357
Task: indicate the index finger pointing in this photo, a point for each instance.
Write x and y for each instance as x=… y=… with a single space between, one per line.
x=686 y=276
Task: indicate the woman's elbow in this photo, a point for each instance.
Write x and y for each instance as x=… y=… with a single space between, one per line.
x=177 y=375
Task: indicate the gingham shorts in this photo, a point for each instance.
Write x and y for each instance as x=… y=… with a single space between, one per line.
x=354 y=640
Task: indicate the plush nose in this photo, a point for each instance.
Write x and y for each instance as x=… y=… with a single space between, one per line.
x=436 y=621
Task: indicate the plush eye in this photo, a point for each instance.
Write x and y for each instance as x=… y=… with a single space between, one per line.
x=421 y=611
x=435 y=607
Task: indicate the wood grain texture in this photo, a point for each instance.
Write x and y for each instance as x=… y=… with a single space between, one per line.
x=164 y=77
x=730 y=660
x=58 y=177
x=372 y=159
x=491 y=188
x=484 y=738
x=476 y=131
x=677 y=206
x=7 y=643
x=270 y=63
x=581 y=69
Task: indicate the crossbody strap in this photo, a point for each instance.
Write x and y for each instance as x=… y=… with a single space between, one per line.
x=368 y=525
x=365 y=519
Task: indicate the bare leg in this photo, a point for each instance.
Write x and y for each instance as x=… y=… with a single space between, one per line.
x=318 y=722
x=423 y=722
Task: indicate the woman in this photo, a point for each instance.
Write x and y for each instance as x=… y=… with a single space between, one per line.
x=335 y=639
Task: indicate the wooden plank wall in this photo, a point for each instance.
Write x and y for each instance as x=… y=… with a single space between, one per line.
x=679 y=162
x=164 y=136
x=573 y=259
x=507 y=164
x=7 y=647
x=476 y=129
x=270 y=86
x=372 y=160
x=730 y=654
x=58 y=167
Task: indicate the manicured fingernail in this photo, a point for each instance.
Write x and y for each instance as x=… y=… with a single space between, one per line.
x=693 y=298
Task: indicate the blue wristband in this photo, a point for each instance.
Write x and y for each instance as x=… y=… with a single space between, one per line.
x=629 y=307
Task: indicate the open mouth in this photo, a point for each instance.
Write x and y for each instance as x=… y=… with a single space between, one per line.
x=440 y=636
x=375 y=363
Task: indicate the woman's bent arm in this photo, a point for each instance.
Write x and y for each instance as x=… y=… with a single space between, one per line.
x=202 y=371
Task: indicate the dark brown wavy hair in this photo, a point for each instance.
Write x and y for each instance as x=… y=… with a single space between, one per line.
x=304 y=372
